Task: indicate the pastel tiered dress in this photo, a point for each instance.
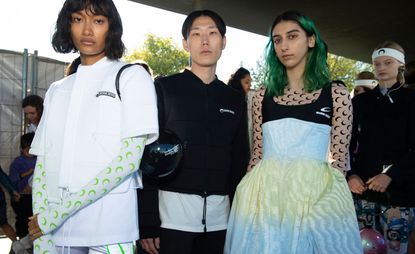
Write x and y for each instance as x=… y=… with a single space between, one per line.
x=293 y=201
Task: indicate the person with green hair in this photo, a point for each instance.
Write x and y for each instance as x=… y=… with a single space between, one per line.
x=295 y=198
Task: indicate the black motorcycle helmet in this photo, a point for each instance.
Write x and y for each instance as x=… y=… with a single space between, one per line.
x=162 y=157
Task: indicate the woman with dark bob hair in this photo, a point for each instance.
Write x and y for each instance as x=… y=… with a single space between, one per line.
x=294 y=198
x=240 y=80
x=90 y=139
x=62 y=41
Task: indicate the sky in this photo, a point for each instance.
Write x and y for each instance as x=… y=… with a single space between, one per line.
x=30 y=24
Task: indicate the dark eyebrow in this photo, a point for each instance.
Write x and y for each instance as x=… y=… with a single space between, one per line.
x=199 y=27
x=291 y=31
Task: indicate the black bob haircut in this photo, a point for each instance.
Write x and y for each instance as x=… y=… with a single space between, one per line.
x=188 y=22
x=35 y=101
x=61 y=40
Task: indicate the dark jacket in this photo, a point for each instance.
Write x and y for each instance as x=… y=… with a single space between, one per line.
x=384 y=129
x=7 y=183
x=211 y=121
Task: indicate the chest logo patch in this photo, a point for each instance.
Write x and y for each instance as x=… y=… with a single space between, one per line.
x=224 y=110
x=105 y=93
x=324 y=112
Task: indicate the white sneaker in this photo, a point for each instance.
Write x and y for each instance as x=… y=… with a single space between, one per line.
x=27 y=243
x=18 y=248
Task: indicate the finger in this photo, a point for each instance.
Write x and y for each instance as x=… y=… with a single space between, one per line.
x=37 y=235
x=157 y=242
x=370 y=186
x=152 y=248
x=34 y=237
x=354 y=189
x=34 y=231
x=145 y=246
x=370 y=180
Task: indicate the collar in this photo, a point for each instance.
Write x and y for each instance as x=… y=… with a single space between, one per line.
x=191 y=75
x=395 y=86
x=102 y=63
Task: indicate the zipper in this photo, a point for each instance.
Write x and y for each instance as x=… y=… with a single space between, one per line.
x=205 y=192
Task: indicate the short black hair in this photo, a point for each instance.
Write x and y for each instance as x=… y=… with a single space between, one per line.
x=188 y=22
x=35 y=101
x=26 y=140
x=61 y=40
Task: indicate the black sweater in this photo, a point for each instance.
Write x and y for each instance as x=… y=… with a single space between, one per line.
x=384 y=130
x=211 y=121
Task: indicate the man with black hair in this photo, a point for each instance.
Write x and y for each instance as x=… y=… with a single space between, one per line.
x=191 y=212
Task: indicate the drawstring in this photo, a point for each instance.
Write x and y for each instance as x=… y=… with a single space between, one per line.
x=66 y=230
x=204 y=212
x=392 y=90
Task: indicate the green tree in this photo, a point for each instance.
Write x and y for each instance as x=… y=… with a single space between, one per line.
x=345 y=69
x=162 y=55
x=258 y=73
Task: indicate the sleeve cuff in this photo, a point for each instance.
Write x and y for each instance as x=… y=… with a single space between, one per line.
x=149 y=232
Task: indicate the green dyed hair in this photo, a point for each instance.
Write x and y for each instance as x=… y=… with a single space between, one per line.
x=316 y=74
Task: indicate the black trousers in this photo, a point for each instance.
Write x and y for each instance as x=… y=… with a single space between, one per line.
x=175 y=241
x=23 y=210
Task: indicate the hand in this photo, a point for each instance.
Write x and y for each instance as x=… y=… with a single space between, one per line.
x=356 y=184
x=379 y=182
x=27 y=190
x=27 y=172
x=34 y=229
x=151 y=245
x=16 y=196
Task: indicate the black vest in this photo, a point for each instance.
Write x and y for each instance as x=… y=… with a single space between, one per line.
x=209 y=120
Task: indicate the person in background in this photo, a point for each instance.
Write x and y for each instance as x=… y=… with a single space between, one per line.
x=90 y=140
x=410 y=83
x=383 y=168
x=410 y=74
x=241 y=80
x=21 y=170
x=191 y=214
x=33 y=109
x=17 y=246
x=364 y=82
x=295 y=199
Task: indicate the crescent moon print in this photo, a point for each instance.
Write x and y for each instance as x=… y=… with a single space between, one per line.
x=341 y=128
x=257 y=130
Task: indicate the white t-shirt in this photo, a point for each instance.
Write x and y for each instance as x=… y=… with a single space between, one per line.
x=80 y=133
x=31 y=128
x=184 y=212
